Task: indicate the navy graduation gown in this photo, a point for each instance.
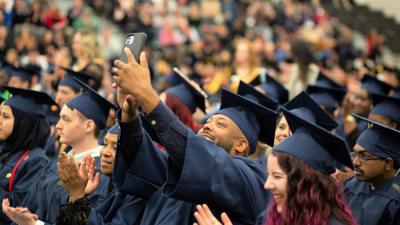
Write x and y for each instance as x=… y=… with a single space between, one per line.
x=374 y=207
x=226 y=183
x=117 y=209
x=141 y=170
x=51 y=194
x=27 y=176
x=201 y=172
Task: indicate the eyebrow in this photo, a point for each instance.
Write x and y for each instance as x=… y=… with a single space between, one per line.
x=277 y=173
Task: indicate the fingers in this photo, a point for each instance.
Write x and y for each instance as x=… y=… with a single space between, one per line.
x=202 y=216
x=5 y=204
x=91 y=169
x=200 y=219
x=130 y=56
x=225 y=219
x=96 y=180
x=143 y=59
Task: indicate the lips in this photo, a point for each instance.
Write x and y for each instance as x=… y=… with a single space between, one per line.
x=105 y=163
x=207 y=136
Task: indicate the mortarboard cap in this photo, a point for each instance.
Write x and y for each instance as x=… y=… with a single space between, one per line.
x=91 y=104
x=115 y=129
x=252 y=94
x=28 y=101
x=380 y=140
x=306 y=108
x=68 y=81
x=255 y=121
x=192 y=96
x=314 y=145
x=387 y=107
x=273 y=89
x=374 y=86
x=325 y=81
x=329 y=98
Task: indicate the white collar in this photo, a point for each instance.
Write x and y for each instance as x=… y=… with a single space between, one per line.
x=94 y=152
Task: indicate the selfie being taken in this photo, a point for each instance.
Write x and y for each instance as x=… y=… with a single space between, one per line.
x=199 y=112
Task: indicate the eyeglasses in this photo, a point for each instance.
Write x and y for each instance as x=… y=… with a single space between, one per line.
x=363 y=157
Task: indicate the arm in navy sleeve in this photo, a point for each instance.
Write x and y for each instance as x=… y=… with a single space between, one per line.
x=171 y=132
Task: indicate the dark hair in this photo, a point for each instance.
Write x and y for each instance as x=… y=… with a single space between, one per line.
x=313 y=198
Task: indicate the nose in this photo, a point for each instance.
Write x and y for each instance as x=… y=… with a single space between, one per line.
x=268 y=185
x=58 y=125
x=356 y=161
x=105 y=152
x=207 y=126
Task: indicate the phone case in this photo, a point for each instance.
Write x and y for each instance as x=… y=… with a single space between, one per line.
x=135 y=42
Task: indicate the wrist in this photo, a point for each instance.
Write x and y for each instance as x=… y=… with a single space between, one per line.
x=149 y=101
x=75 y=196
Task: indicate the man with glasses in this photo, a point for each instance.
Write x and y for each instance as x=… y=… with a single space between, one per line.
x=373 y=194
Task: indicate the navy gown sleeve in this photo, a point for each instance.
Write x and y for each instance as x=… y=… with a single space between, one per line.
x=25 y=182
x=51 y=195
x=140 y=167
x=122 y=210
x=201 y=172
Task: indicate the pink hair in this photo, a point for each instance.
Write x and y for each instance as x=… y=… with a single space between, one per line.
x=312 y=199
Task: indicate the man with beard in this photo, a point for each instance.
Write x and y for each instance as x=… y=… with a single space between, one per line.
x=211 y=167
x=373 y=194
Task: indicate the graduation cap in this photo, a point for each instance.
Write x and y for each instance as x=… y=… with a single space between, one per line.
x=91 y=104
x=380 y=140
x=68 y=81
x=325 y=81
x=314 y=145
x=374 y=86
x=254 y=120
x=329 y=98
x=252 y=94
x=306 y=108
x=272 y=88
x=115 y=129
x=386 y=106
x=28 y=101
x=189 y=94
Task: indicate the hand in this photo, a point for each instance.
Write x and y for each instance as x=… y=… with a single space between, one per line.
x=204 y=216
x=93 y=179
x=342 y=175
x=128 y=105
x=134 y=79
x=20 y=216
x=347 y=104
x=74 y=179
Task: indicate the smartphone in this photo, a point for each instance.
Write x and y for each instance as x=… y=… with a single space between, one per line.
x=135 y=42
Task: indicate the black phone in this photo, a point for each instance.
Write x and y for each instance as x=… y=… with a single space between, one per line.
x=135 y=42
